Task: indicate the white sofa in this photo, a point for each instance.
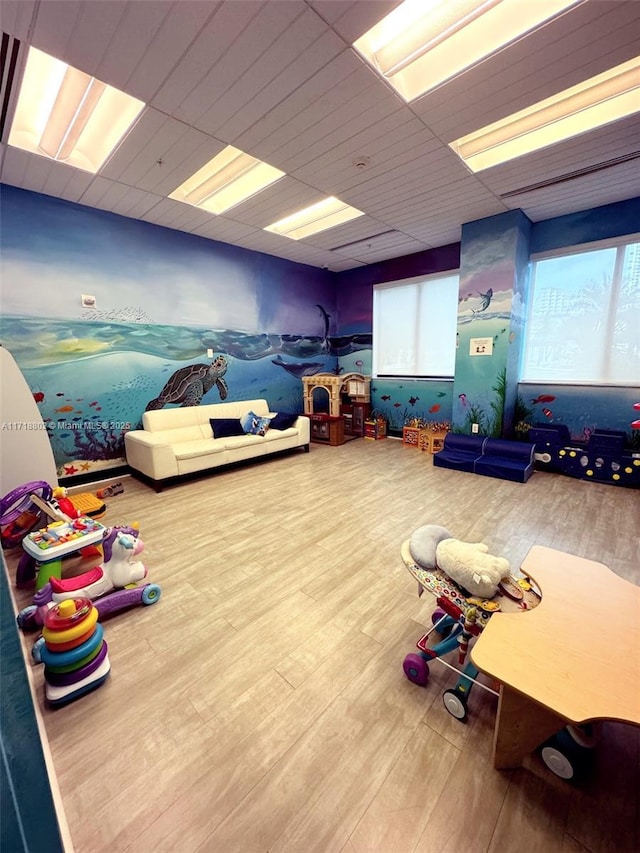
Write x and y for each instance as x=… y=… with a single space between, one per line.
x=179 y=441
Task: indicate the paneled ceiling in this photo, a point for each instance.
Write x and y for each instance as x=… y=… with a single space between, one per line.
x=279 y=80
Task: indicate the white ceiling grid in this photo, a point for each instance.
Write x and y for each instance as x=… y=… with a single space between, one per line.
x=280 y=80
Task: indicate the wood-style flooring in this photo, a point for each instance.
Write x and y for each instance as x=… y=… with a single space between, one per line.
x=261 y=705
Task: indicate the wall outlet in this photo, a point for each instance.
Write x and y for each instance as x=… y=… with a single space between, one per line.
x=209 y=353
x=474 y=428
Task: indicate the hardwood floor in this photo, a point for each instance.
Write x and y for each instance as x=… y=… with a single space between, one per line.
x=261 y=704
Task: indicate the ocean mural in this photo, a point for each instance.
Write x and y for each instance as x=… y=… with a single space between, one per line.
x=108 y=316
x=583 y=410
x=92 y=382
x=490 y=310
x=105 y=314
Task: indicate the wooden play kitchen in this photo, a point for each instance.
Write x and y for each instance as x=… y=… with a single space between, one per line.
x=337 y=406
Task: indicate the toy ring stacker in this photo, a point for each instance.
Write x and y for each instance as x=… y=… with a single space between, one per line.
x=63 y=615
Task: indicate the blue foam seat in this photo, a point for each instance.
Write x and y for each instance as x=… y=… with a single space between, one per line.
x=493 y=457
x=459 y=452
x=508 y=460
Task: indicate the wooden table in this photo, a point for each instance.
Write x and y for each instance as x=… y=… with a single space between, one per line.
x=573 y=659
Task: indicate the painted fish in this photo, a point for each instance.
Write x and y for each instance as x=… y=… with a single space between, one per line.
x=463 y=399
x=396 y=405
x=413 y=400
x=38 y=397
x=385 y=397
x=65 y=409
x=434 y=408
x=543 y=398
x=547 y=413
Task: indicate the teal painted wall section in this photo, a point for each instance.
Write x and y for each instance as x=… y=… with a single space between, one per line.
x=29 y=823
x=511 y=415
x=493 y=269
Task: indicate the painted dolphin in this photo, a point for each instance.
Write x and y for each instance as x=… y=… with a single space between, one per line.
x=298 y=368
x=326 y=318
x=485 y=301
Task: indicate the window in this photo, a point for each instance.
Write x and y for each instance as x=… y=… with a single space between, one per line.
x=584 y=317
x=414 y=327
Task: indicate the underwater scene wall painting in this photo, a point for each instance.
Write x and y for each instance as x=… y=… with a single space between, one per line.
x=489 y=305
x=93 y=381
x=107 y=316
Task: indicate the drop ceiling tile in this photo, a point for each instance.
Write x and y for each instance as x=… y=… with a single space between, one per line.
x=17 y=16
x=175 y=97
x=249 y=53
x=172 y=40
x=247 y=126
x=353 y=19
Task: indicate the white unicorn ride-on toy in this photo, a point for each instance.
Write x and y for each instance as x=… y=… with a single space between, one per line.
x=107 y=585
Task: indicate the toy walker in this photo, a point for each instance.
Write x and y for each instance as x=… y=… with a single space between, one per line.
x=432 y=556
x=108 y=585
x=461 y=617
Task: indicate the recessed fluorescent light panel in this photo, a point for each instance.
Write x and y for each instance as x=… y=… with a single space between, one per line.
x=69 y=116
x=423 y=43
x=319 y=217
x=601 y=100
x=228 y=179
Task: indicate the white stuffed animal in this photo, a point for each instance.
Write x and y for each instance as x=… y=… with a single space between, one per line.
x=470 y=565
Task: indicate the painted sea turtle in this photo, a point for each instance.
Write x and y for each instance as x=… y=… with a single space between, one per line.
x=188 y=385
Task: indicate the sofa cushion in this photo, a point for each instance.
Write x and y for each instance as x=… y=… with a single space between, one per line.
x=199 y=447
x=253 y=424
x=233 y=442
x=283 y=420
x=225 y=427
x=178 y=435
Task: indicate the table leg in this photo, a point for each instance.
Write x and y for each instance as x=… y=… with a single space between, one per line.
x=521 y=726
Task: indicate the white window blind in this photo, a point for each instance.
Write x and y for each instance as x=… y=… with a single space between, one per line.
x=414 y=327
x=584 y=318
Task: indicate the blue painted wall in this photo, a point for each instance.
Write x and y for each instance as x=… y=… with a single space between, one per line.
x=581 y=408
x=162 y=299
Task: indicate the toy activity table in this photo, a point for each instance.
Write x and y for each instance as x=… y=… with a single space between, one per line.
x=50 y=544
x=551 y=670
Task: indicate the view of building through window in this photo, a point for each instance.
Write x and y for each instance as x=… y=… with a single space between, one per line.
x=584 y=317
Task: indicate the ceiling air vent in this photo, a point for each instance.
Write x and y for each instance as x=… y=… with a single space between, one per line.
x=9 y=51
x=570 y=176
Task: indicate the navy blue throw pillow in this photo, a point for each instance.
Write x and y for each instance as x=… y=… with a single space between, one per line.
x=283 y=420
x=226 y=427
